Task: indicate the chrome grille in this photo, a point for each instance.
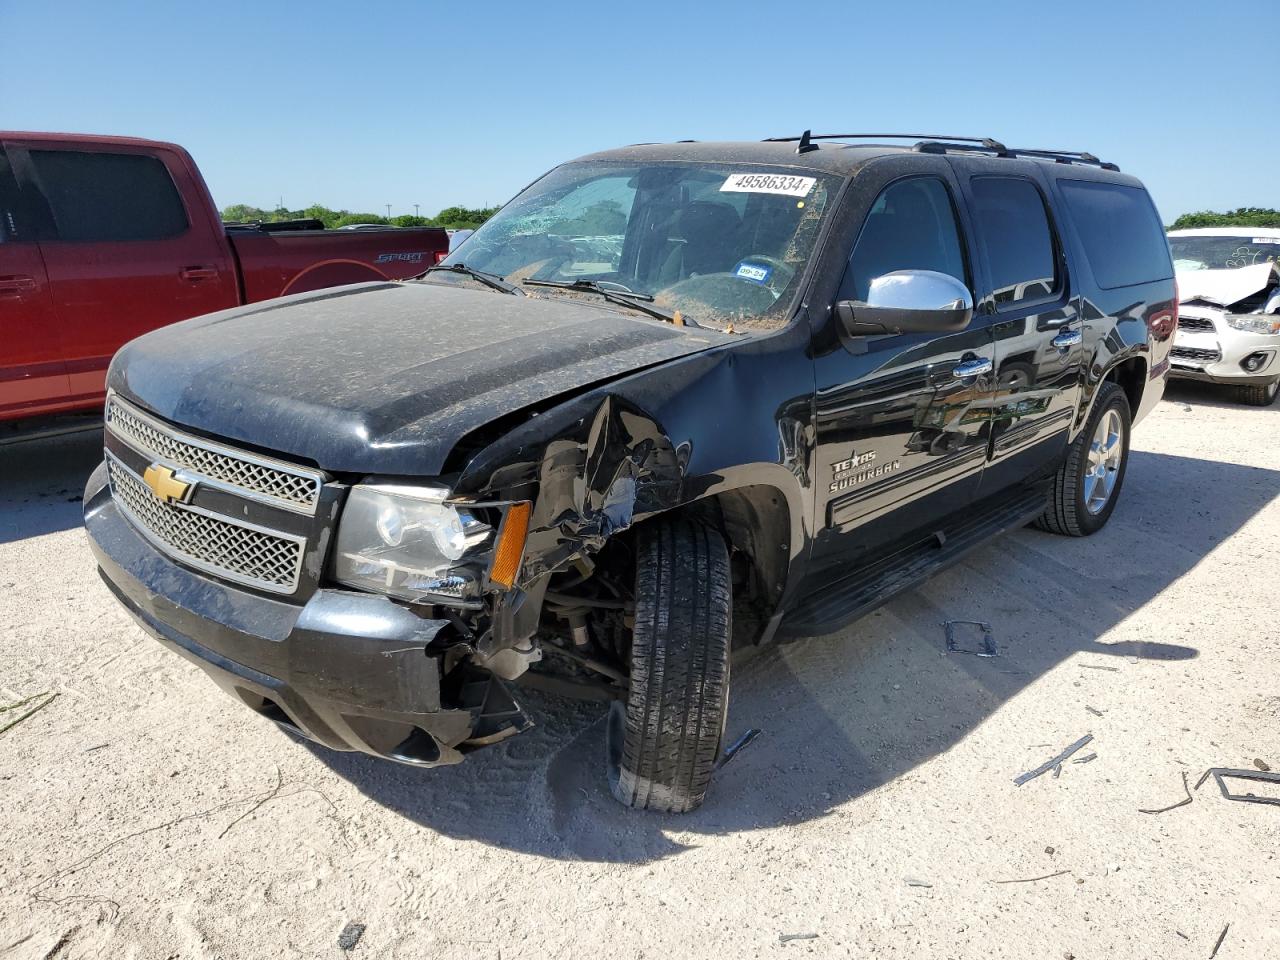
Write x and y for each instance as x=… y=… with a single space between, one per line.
x=1195 y=354
x=246 y=554
x=261 y=478
x=1195 y=323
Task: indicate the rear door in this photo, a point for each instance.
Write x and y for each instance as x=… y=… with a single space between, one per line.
x=125 y=250
x=1027 y=300
x=899 y=445
x=33 y=375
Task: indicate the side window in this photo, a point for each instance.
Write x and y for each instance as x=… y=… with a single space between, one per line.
x=1013 y=228
x=911 y=226
x=109 y=196
x=1120 y=230
x=13 y=225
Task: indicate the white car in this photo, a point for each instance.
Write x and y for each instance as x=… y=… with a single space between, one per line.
x=1229 y=317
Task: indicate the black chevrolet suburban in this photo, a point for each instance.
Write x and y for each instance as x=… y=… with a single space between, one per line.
x=673 y=401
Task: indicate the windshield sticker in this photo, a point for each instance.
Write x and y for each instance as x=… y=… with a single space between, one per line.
x=1265 y=240
x=753 y=272
x=787 y=186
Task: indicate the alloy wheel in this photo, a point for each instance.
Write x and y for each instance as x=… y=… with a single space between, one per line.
x=1105 y=453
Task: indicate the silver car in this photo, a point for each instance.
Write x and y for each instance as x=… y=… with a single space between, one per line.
x=1229 y=318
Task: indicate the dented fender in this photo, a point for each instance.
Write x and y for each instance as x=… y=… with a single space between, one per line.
x=597 y=464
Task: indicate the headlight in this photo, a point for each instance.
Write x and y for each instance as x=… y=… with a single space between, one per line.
x=1253 y=322
x=404 y=541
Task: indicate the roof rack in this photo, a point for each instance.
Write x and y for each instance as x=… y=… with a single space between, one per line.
x=939 y=143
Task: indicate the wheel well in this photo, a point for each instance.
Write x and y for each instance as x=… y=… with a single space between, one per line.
x=1131 y=377
x=756 y=522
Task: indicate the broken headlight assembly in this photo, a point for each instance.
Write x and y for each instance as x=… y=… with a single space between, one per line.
x=409 y=542
x=1253 y=322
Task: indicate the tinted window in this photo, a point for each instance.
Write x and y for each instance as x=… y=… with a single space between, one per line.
x=1120 y=230
x=109 y=196
x=911 y=226
x=8 y=201
x=1014 y=230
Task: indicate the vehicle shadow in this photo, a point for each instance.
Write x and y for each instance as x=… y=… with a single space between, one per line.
x=42 y=481
x=845 y=714
x=1208 y=395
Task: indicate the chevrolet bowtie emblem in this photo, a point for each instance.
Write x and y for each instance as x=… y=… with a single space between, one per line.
x=164 y=483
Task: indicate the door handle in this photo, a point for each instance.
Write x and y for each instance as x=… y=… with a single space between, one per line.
x=1067 y=338
x=971 y=368
x=17 y=286
x=196 y=274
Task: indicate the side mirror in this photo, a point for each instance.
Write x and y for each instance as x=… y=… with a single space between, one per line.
x=909 y=301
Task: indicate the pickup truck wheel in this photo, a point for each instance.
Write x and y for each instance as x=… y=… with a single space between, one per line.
x=664 y=743
x=1087 y=485
x=1258 y=394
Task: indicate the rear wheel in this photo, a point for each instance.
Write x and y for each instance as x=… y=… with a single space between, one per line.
x=664 y=743
x=1258 y=394
x=1087 y=485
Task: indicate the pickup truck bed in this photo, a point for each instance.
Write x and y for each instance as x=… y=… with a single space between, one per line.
x=103 y=239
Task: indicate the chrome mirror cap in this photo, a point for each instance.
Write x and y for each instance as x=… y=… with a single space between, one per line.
x=926 y=290
x=908 y=301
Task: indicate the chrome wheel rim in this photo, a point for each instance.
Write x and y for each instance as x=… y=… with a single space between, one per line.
x=1103 y=467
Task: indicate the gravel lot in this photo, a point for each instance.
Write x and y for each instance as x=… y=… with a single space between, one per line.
x=143 y=814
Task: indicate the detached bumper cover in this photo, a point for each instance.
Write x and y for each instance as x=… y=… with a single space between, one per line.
x=350 y=671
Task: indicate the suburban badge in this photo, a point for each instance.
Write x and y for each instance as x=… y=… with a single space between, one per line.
x=856 y=469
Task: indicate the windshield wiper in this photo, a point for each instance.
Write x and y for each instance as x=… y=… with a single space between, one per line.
x=491 y=280
x=637 y=301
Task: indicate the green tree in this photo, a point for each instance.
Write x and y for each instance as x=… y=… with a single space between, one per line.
x=409 y=220
x=452 y=217
x=1241 y=217
x=242 y=213
x=346 y=219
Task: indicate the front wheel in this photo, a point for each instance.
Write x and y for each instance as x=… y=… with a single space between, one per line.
x=1087 y=485
x=664 y=744
x=1258 y=394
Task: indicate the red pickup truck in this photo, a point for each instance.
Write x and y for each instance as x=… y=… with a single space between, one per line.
x=105 y=238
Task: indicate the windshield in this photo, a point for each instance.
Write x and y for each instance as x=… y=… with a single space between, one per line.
x=1222 y=252
x=721 y=243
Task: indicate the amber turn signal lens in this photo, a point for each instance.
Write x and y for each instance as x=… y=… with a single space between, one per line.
x=510 y=548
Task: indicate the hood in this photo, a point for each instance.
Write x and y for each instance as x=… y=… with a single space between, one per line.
x=1224 y=287
x=384 y=378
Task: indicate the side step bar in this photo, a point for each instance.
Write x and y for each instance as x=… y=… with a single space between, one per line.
x=878 y=582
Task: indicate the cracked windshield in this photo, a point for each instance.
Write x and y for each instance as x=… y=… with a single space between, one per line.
x=721 y=244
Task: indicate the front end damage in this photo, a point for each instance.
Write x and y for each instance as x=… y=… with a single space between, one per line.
x=423 y=675
x=1229 y=325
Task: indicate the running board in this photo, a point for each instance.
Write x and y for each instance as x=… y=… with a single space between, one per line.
x=877 y=583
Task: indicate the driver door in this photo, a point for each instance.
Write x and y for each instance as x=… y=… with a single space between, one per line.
x=901 y=435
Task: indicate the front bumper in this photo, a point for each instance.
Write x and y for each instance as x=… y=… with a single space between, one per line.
x=1215 y=354
x=348 y=670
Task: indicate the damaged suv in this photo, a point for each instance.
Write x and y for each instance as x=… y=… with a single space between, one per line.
x=671 y=402
x=1229 y=322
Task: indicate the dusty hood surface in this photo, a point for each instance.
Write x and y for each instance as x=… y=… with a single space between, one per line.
x=1224 y=287
x=384 y=378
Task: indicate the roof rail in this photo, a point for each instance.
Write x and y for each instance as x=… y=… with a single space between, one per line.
x=939 y=143
x=805 y=139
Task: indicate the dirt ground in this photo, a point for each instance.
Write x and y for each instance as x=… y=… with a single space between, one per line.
x=144 y=814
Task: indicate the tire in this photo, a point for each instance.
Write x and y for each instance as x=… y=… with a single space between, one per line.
x=664 y=744
x=1258 y=394
x=1071 y=512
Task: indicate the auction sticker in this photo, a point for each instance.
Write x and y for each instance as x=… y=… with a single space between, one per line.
x=787 y=186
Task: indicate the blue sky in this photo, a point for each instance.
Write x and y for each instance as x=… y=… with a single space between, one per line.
x=358 y=105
